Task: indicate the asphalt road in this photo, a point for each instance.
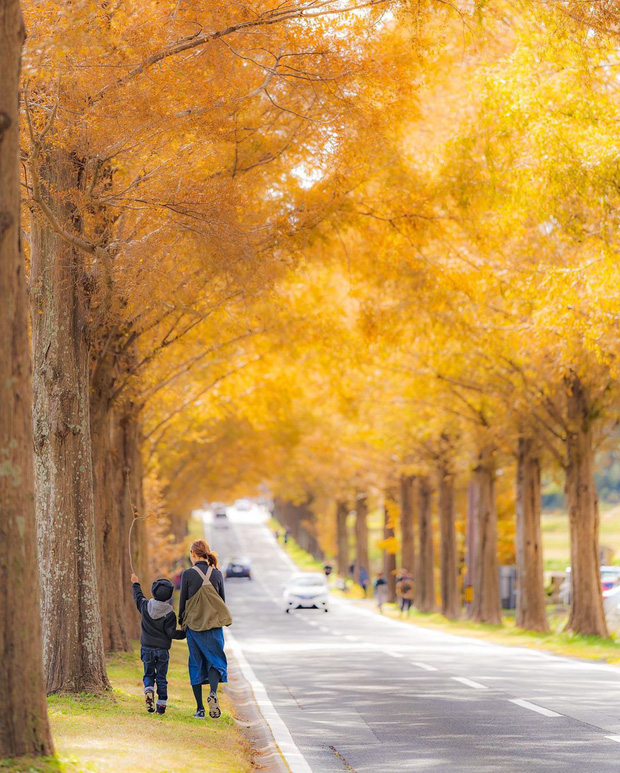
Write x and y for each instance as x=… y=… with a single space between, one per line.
x=365 y=693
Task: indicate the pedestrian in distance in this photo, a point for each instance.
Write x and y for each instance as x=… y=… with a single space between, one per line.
x=159 y=628
x=364 y=579
x=404 y=591
x=203 y=613
x=287 y=534
x=276 y=534
x=380 y=591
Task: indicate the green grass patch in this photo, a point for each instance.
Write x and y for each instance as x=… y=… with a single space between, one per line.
x=32 y=765
x=114 y=733
x=557 y=641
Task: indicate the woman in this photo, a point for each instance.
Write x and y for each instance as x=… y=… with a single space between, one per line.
x=207 y=660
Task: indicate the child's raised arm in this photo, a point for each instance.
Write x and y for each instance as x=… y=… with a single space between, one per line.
x=138 y=596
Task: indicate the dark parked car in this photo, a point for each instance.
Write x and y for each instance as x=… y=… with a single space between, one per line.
x=238 y=567
x=220 y=520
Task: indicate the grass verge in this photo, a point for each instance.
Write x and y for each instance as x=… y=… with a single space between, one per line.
x=557 y=641
x=115 y=734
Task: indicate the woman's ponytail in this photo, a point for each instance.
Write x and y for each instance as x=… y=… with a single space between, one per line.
x=212 y=559
x=201 y=549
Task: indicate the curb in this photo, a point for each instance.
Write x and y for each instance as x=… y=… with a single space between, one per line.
x=266 y=755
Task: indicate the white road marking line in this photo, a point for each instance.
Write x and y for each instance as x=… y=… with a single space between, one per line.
x=352 y=638
x=310 y=622
x=537 y=709
x=293 y=757
x=615 y=738
x=324 y=629
x=424 y=666
x=470 y=683
x=396 y=654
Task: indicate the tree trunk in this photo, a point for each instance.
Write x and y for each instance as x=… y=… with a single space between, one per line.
x=361 y=535
x=587 y=614
x=108 y=480
x=450 y=598
x=486 y=606
x=342 y=538
x=389 y=556
x=24 y=729
x=425 y=592
x=72 y=634
x=407 y=522
x=531 y=598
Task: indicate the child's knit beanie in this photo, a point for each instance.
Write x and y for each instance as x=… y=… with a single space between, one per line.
x=162 y=590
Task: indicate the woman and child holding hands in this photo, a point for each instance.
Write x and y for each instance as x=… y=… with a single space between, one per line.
x=202 y=615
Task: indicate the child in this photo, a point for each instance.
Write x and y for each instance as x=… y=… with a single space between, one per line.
x=159 y=628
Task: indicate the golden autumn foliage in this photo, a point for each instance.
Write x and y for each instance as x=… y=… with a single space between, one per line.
x=325 y=248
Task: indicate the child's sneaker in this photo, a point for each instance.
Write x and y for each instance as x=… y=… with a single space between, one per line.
x=149 y=699
x=200 y=714
x=161 y=709
x=214 y=706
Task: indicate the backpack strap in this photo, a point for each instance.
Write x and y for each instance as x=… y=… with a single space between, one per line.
x=206 y=578
x=203 y=576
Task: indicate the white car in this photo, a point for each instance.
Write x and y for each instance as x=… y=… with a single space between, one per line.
x=306 y=590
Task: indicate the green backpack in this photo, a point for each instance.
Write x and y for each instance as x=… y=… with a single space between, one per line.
x=206 y=609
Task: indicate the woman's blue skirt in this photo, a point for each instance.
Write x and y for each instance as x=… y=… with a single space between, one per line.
x=206 y=650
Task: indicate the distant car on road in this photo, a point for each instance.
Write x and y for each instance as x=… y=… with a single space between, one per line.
x=610 y=580
x=238 y=567
x=243 y=504
x=306 y=590
x=220 y=519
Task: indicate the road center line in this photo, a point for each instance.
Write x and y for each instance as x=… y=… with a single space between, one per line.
x=424 y=666
x=543 y=711
x=470 y=683
x=396 y=654
x=293 y=757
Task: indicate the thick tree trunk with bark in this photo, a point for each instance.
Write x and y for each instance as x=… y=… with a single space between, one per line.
x=587 y=614
x=361 y=535
x=407 y=522
x=24 y=728
x=486 y=606
x=450 y=598
x=531 y=598
x=342 y=538
x=425 y=578
x=389 y=557
x=72 y=635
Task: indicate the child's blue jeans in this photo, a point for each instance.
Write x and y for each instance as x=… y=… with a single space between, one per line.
x=155 y=672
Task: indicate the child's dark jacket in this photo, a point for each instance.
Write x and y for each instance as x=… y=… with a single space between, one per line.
x=159 y=622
